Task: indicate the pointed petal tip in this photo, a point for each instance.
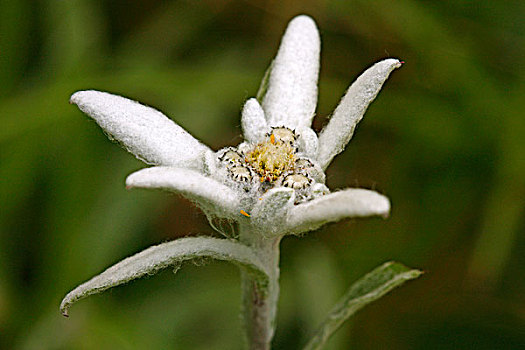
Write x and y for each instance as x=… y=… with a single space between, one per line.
x=137 y=179
x=306 y=27
x=88 y=97
x=91 y=96
x=303 y=21
x=251 y=103
x=372 y=202
x=392 y=63
x=81 y=95
x=387 y=207
x=386 y=211
x=75 y=97
x=252 y=107
x=379 y=203
x=129 y=181
x=64 y=309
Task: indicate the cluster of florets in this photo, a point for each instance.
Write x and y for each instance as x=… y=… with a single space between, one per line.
x=276 y=162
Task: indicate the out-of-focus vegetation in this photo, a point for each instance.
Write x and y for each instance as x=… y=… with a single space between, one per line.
x=445 y=140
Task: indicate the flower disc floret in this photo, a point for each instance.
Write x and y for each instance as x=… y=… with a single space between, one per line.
x=271 y=160
x=284 y=135
x=270 y=164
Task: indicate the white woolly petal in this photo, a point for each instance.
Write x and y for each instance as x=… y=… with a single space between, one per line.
x=270 y=211
x=307 y=142
x=142 y=130
x=208 y=193
x=354 y=202
x=211 y=165
x=353 y=105
x=319 y=189
x=291 y=96
x=254 y=126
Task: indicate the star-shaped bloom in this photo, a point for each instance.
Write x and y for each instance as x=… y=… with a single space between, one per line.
x=275 y=179
x=271 y=185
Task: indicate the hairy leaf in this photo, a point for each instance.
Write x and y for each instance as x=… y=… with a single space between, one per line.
x=366 y=290
x=167 y=254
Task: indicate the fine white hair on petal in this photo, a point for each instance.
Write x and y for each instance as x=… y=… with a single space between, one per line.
x=212 y=195
x=155 y=258
x=354 y=202
x=350 y=111
x=211 y=164
x=291 y=96
x=270 y=210
x=142 y=130
x=254 y=126
x=307 y=142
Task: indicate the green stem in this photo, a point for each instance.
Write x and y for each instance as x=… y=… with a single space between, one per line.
x=260 y=303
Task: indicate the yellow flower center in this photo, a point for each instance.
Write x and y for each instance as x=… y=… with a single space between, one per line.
x=271 y=159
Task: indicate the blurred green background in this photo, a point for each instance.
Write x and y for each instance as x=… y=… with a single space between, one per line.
x=445 y=140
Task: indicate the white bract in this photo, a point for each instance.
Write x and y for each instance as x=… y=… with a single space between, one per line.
x=273 y=183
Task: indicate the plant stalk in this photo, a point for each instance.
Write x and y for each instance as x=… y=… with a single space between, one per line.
x=259 y=304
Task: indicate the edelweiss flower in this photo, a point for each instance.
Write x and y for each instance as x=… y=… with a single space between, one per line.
x=271 y=185
x=260 y=178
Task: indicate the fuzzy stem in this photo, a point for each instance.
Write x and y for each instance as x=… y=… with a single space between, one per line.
x=260 y=306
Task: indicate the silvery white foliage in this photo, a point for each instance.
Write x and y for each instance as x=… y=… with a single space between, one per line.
x=164 y=255
x=353 y=202
x=291 y=95
x=351 y=110
x=270 y=213
x=308 y=142
x=142 y=130
x=223 y=200
x=272 y=184
x=253 y=122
